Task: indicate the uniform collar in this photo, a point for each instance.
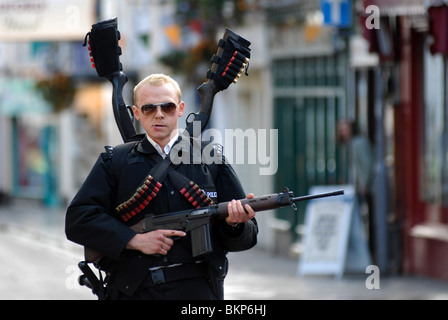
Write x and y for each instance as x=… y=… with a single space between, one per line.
x=144 y=146
x=147 y=146
x=163 y=153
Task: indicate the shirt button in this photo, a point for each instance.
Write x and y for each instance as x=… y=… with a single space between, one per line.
x=172 y=192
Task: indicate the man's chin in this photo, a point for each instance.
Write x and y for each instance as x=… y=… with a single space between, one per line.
x=159 y=132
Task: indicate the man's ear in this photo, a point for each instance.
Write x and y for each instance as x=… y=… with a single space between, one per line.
x=181 y=108
x=136 y=113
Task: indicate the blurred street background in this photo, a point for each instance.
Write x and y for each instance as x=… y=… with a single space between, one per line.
x=379 y=64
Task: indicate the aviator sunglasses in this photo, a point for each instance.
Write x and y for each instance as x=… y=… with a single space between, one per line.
x=167 y=107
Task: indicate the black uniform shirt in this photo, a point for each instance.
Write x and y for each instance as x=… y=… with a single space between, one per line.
x=92 y=221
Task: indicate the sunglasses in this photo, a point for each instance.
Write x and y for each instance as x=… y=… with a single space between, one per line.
x=167 y=107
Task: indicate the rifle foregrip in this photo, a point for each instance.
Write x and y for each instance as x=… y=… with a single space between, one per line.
x=262 y=203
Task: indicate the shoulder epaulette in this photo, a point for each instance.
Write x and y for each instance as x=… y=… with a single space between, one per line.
x=109 y=151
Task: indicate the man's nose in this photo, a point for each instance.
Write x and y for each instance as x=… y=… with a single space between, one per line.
x=159 y=112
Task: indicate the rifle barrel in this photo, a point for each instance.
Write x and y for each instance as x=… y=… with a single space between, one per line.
x=320 y=195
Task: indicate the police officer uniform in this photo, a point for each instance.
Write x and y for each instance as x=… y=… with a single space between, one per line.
x=92 y=221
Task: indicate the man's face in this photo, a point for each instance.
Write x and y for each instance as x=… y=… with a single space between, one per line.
x=344 y=132
x=160 y=123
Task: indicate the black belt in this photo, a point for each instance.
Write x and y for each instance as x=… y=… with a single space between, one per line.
x=162 y=275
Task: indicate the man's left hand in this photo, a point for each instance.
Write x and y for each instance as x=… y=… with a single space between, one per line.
x=238 y=213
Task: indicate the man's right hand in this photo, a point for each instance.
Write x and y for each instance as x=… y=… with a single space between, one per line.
x=154 y=242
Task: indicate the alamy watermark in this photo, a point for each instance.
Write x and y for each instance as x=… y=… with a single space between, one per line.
x=251 y=146
x=373 y=280
x=373 y=18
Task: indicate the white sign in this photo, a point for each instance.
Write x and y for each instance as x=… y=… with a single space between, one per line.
x=45 y=20
x=328 y=222
x=334 y=239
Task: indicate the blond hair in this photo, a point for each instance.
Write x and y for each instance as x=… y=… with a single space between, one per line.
x=158 y=79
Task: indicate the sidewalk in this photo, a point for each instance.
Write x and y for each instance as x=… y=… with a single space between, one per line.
x=36 y=222
x=254 y=275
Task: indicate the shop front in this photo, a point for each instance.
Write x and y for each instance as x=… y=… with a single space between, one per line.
x=420 y=129
x=29 y=140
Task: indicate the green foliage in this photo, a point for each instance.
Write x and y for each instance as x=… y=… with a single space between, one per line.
x=58 y=91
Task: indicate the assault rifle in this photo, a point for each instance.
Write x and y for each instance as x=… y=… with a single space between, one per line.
x=197 y=221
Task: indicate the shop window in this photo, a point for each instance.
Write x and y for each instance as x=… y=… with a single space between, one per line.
x=29 y=159
x=308 y=100
x=434 y=151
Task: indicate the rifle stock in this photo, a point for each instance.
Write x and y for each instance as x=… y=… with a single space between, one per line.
x=123 y=114
x=207 y=92
x=230 y=60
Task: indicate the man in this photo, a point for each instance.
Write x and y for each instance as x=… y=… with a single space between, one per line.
x=157 y=264
x=361 y=155
x=362 y=174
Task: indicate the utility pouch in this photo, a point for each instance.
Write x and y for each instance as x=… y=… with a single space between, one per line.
x=230 y=61
x=216 y=276
x=104 y=48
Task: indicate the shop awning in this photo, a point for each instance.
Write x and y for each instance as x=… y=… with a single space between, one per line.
x=436 y=3
x=438 y=26
x=436 y=12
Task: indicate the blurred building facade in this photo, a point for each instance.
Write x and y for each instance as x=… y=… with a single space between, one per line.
x=409 y=82
x=387 y=71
